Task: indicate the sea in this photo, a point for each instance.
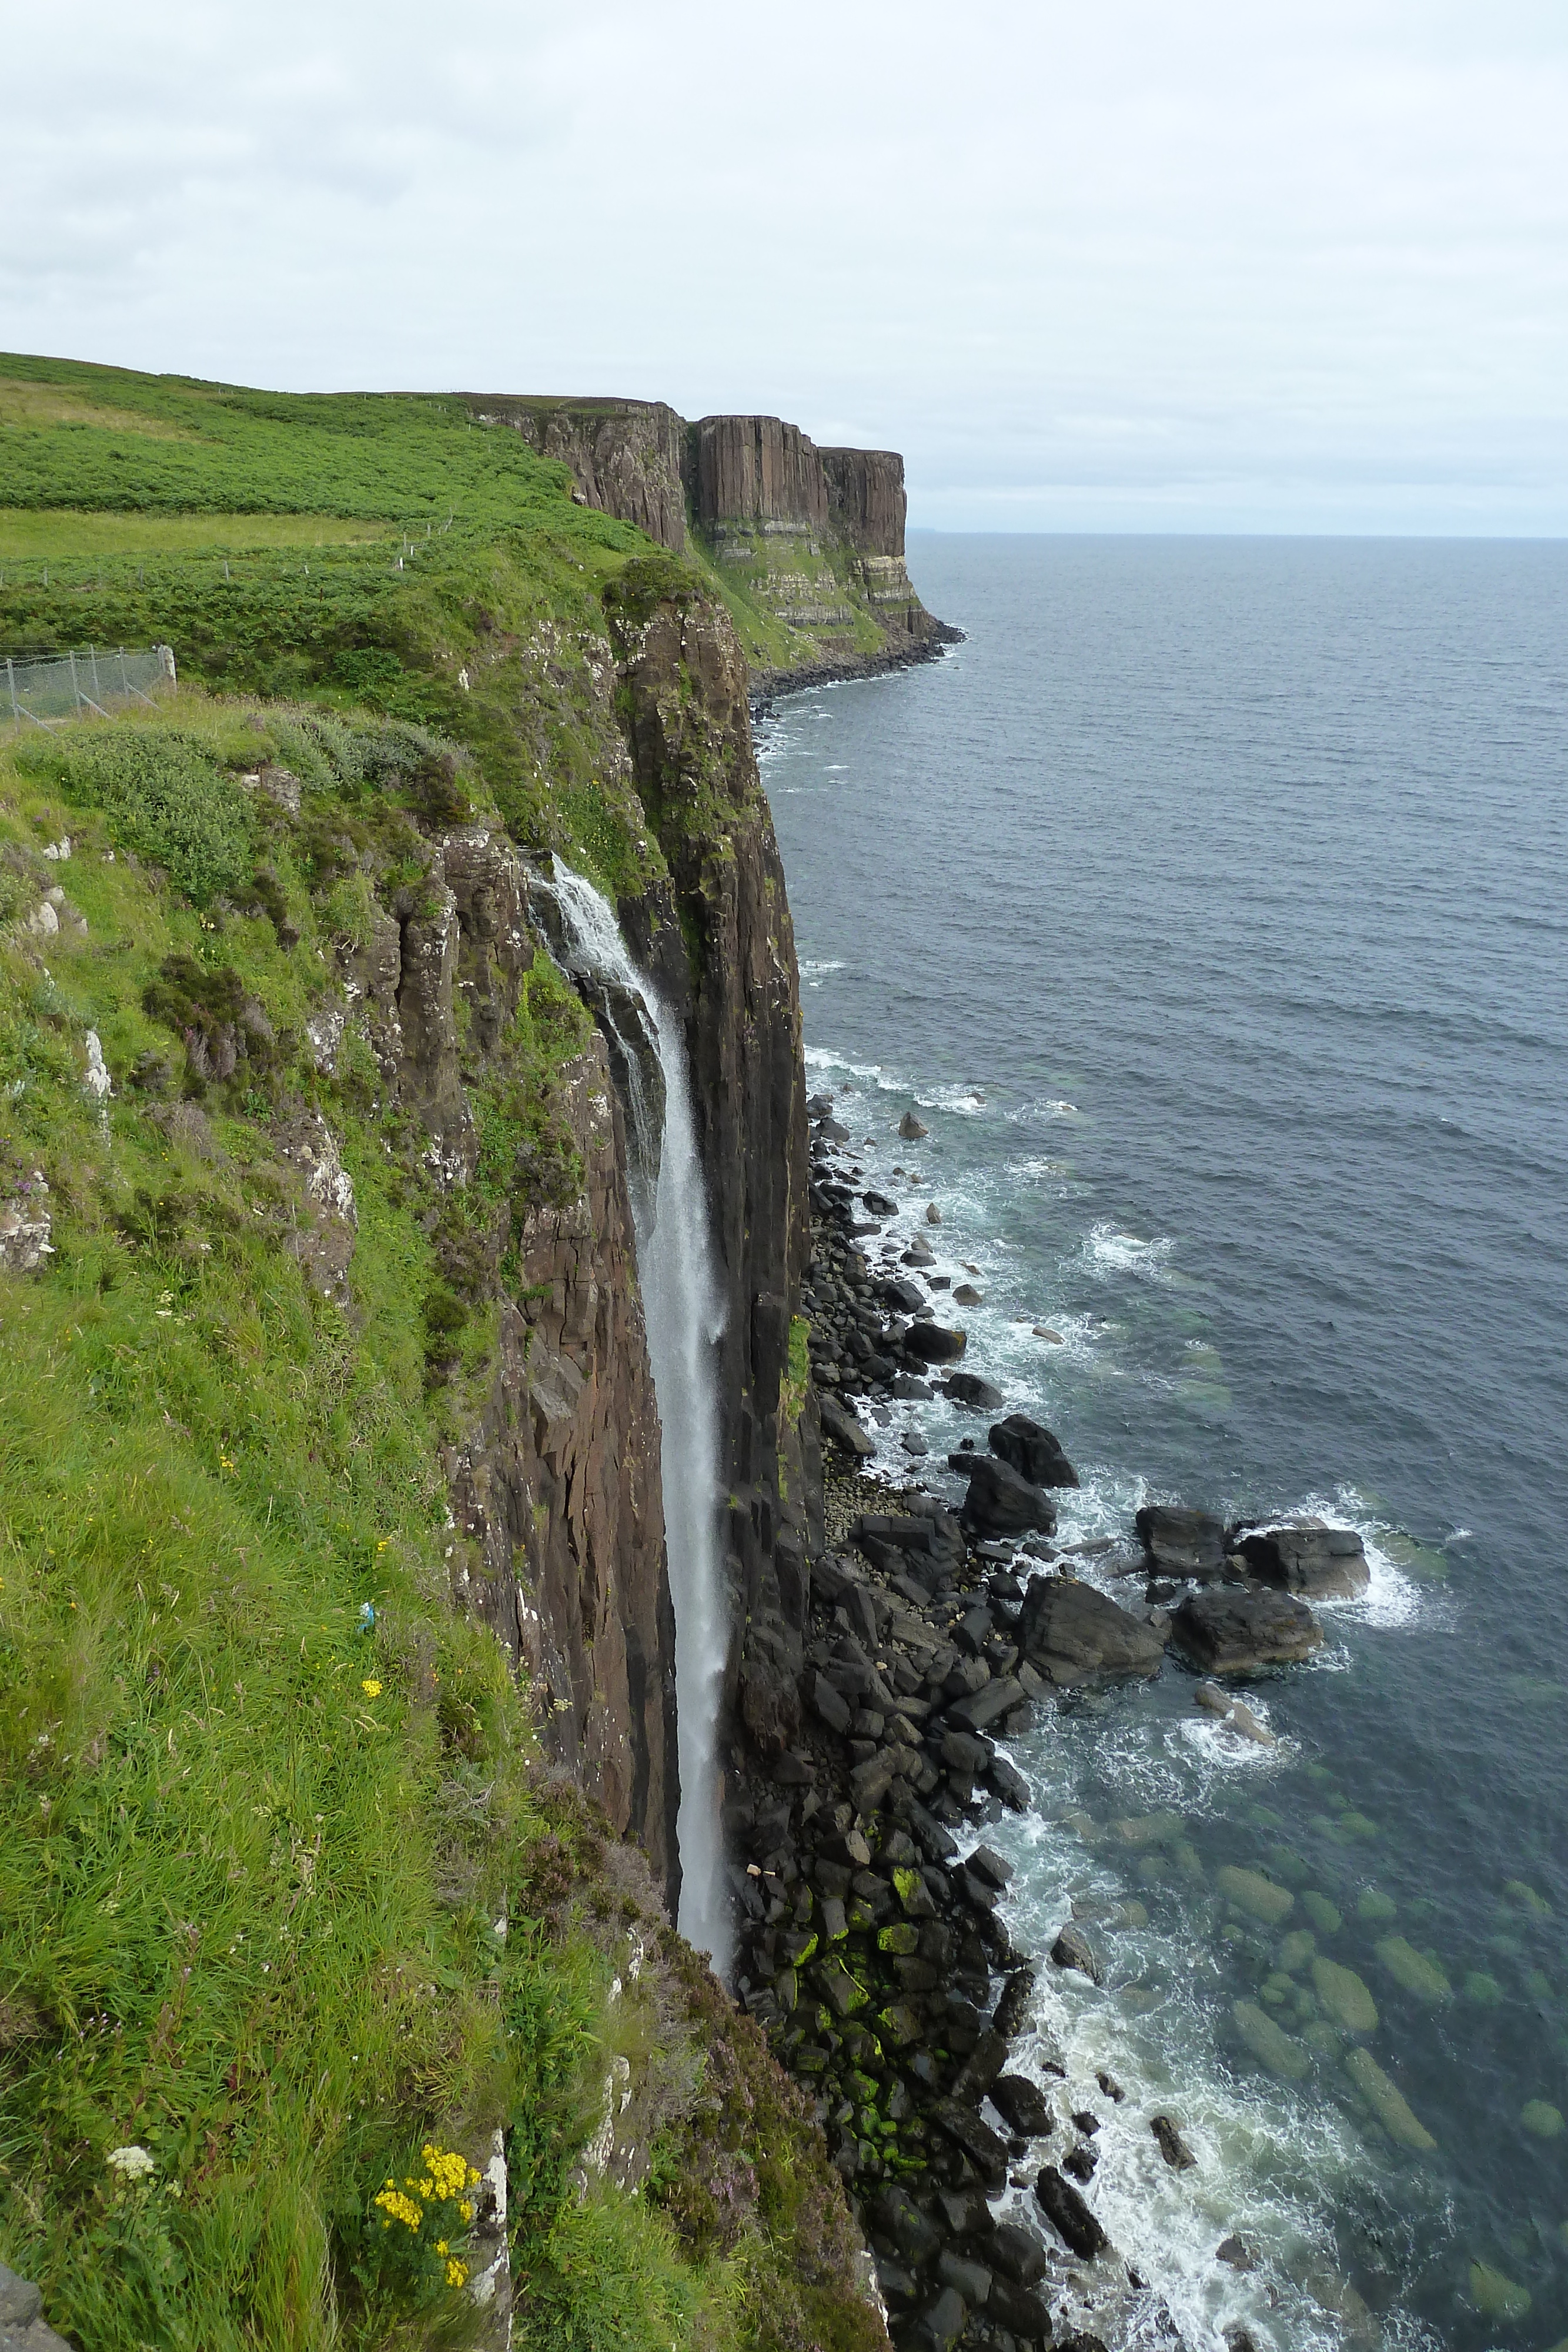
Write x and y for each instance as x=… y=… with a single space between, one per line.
x=1208 y=905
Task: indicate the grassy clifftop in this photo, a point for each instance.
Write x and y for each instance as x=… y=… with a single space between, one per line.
x=286 y=1901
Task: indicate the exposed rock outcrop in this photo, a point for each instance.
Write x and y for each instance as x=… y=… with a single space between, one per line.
x=721 y=949
x=628 y=457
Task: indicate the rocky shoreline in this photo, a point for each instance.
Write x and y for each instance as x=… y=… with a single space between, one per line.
x=872 y=1947
x=841 y=669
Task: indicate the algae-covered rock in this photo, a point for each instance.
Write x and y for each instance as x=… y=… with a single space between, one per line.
x=1375 y=1908
x=1482 y=1989
x=1251 y=1892
x=1296 y=1951
x=1268 y=2044
x=1407 y=1967
x=1149 y=1829
x=1541 y=2120
x=1497 y=2297
x=1322 y=1913
x=1187 y=1859
x=1387 y=2104
x=1277 y=1989
x=1520 y=1898
x=1345 y=1997
x=1286 y=1864
x=1356 y=1825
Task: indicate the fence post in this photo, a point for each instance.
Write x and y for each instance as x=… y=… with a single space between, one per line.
x=92 y=656
x=124 y=681
x=11 y=683
x=76 y=682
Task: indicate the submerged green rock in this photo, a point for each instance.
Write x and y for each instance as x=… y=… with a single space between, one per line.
x=1251 y=1892
x=1497 y=2297
x=1345 y=1996
x=1407 y=1967
x=1387 y=2102
x=1322 y=1913
x=1372 y=1906
x=1479 y=1986
x=1268 y=2044
x=1541 y=2119
x=1296 y=1949
x=1149 y=1829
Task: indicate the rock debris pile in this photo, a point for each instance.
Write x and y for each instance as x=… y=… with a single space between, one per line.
x=871 y=1942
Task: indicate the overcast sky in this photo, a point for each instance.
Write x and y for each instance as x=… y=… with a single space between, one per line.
x=1127 y=265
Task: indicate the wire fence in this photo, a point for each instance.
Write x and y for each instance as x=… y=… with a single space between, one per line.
x=59 y=688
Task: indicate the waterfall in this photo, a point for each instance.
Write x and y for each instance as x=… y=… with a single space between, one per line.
x=681 y=1308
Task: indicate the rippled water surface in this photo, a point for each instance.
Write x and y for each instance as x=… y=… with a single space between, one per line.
x=1210 y=902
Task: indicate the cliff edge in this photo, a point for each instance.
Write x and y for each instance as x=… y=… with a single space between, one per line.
x=804 y=545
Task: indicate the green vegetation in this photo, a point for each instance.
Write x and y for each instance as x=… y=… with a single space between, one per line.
x=290 y=1918
x=412 y=562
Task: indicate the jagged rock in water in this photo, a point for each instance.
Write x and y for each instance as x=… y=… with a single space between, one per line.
x=1239 y=1633
x=1022 y=2104
x=840 y=1425
x=1072 y=1634
x=1068 y=2215
x=1032 y=1451
x=1072 y=1949
x=1172 y=2145
x=1307 y=1557
x=934 y=1343
x=1182 y=1542
x=999 y=1501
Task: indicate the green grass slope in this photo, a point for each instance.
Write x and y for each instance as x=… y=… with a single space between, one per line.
x=286 y=1902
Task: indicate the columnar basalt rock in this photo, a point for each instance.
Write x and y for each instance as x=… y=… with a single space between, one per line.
x=813 y=537
x=757 y=470
x=720 y=947
x=558 y=1497
x=628 y=457
x=866 y=498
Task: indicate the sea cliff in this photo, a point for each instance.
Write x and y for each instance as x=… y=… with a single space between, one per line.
x=344 y=2001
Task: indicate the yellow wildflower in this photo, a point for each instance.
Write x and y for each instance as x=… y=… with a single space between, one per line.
x=441 y=2245
x=371 y=1687
x=399 y=2207
x=466 y=2210
x=456 y=2274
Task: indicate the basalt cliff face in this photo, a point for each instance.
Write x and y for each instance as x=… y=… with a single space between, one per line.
x=556 y=1492
x=809 y=543
x=721 y=946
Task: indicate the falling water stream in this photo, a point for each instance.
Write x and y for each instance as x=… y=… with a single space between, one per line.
x=681 y=1306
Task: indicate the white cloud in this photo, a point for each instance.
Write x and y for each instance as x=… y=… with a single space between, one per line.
x=1303 y=266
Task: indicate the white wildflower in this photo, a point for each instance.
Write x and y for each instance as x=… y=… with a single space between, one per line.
x=132 y=2163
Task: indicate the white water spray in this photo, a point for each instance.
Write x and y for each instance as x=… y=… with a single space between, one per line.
x=681 y=1308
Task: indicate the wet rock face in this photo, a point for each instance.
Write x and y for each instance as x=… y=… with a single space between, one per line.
x=719 y=946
